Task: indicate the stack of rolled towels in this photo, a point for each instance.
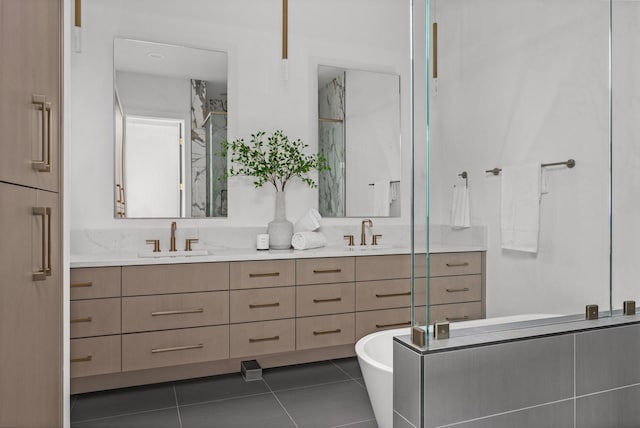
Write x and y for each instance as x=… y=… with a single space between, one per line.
x=305 y=236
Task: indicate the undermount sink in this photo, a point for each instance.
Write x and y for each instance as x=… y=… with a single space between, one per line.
x=160 y=254
x=369 y=247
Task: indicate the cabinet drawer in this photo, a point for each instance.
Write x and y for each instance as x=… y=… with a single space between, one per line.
x=455 y=312
x=95 y=283
x=328 y=330
x=393 y=293
x=323 y=299
x=262 y=304
x=178 y=278
x=169 y=311
x=370 y=321
x=371 y=268
x=268 y=273
x=94 y=317
x=325 y=270
x=455 y=289
x=444 y=264
x=95 y=355
x=258 y=338
x=174 y=347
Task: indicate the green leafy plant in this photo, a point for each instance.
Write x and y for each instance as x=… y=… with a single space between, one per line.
x=275 y=161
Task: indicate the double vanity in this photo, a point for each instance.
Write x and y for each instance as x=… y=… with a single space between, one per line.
x=145 y=320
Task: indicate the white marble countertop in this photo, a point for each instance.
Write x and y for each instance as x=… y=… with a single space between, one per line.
x=243 y=254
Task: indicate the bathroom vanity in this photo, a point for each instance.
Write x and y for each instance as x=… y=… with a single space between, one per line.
x=137 y=321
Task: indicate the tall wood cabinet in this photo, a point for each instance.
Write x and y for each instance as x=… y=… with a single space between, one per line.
x=30 y=214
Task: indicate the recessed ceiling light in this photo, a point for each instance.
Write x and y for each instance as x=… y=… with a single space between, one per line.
x=155 y=55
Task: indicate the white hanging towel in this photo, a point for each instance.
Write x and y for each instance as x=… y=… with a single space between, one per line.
x=520 y=207
x=381 y=198
x=460 y=217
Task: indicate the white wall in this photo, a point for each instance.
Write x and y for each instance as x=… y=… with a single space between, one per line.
x=364 y=34
x=519 y=82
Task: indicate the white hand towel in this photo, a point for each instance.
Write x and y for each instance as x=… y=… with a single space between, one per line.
x=460 y=217
x=520 y=207
x=308 y=222
x=308 y=240
x=381 y=198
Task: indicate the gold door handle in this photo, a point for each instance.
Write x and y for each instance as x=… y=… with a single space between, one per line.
x=45 y=213
x=397 y=324
x=178 y=312
x=77 y=320
x=334 y=299
x=327 y=270
x=44 y=164
x=457 y=290
x=264 y=339
x=457 y=264
x=264 y=305
x=262 y=275
x=408 y=293
x=82 y=359
x=318 y=333
x=81 y=284
x=177 y=348
x=466 y=317
x=119 y=192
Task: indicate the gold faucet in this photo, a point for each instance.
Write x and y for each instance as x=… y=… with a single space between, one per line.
x=363 y=235
x=173 y=236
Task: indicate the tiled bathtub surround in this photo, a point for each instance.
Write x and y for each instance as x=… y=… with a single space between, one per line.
x=581 y=374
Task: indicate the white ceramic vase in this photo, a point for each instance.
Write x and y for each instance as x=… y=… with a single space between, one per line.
x=280 y=230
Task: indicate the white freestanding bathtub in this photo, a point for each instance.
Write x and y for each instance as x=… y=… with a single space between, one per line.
x=375 y=355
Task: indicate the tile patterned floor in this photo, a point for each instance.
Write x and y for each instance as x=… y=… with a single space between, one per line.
x=327 y=394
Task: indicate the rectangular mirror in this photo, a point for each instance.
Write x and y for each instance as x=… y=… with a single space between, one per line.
x=170 y=106
x=359 y=135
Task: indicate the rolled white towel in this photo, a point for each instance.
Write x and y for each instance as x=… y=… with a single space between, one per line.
x=308 y=222
x=308 y=240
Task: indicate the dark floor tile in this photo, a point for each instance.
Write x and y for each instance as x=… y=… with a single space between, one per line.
x=364 y=424
x=123 y=401
x=327 y=405
x=303 y=375
x=262 y=411
x=217 y=388
x=167 y=418
x=350 y=366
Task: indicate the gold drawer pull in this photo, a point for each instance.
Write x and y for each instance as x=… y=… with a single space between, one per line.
x=327 y=270
x=318 y=333
x=457 y=264
x=466 y=317
x=397 y=324
x=457 y=290
x=177 y=348
x=81 y=284
x=82 y=359
x=408 y=293
x=76 y=320
x=45 y=213
x=44 y=164
x=264 y=305
x=335 y=299
x=262 y=275
x=178 y=312
x=264 y=339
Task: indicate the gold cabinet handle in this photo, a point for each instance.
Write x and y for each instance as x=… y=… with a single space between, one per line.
x=82 y=359
x=466 y=317
x=178 y=312
x=263 y=339
x=457 y=290
x=408 y=293
x=177 y=348
x=318 y=333
x=334 y=299
x=81 y=284
x=327 y=270
x=397 y=324
x=264 y=305
x=45 y=213
x=122 y=195
x=77 y=320
x=44 y=165
x=262 y=275
x=457 y=264
x=119 y=191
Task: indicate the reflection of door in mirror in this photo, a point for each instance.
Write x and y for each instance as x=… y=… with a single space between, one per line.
x=359 y=135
